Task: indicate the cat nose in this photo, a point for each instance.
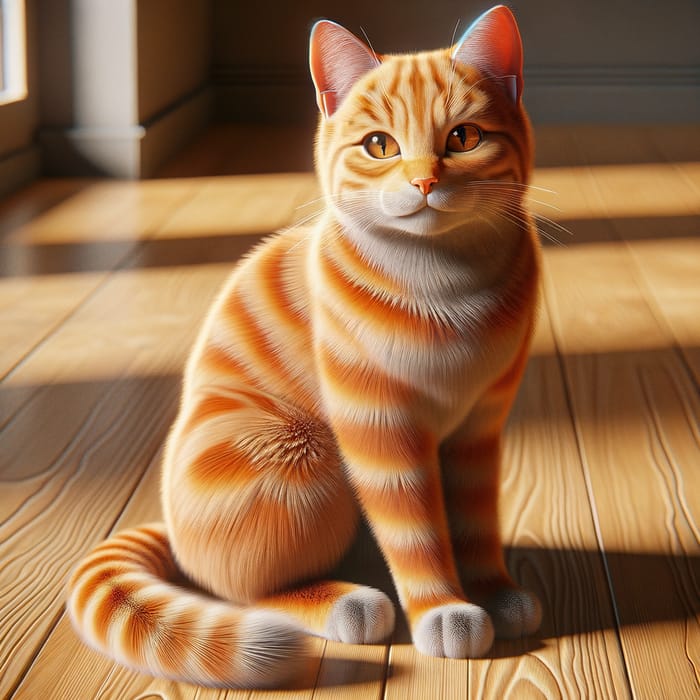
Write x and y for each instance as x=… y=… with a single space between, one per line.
x=424 y=184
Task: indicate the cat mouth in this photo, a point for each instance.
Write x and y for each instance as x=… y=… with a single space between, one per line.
x=429 y=204
x=427 y=208
x=416 y=210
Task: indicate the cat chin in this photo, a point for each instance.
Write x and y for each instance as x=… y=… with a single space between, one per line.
x=427 y=223
x=430 y=222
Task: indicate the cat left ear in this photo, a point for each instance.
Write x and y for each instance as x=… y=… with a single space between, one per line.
x=492 y=44
x=338 y=59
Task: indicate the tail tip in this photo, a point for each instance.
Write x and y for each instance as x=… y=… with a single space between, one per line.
x=275 y=650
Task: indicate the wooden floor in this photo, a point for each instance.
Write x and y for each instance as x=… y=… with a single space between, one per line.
x=103 y=285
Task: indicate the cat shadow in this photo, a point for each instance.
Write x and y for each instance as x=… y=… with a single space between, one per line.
x=342 y=672
x=501 y=649
x=582 y=591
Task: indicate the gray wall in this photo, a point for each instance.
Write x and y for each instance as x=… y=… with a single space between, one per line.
x=595 y=60
x=123 y=83
x=175 y=49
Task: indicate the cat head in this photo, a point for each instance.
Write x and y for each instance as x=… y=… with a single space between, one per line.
x=422 y=143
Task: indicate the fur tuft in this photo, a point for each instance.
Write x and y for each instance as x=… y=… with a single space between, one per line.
x=273 y=652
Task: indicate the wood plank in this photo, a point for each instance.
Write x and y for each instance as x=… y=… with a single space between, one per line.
x=36 y=198
x=636 y=412
x=351 y=672
x=236 y=204
x=59 y=242
x=666 y=252
x=548 y=522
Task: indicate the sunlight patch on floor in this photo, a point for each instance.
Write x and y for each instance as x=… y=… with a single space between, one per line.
x=612 y=191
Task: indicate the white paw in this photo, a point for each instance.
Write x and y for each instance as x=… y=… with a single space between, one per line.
x=515 y=613
x=457 y=630
x=363 y=616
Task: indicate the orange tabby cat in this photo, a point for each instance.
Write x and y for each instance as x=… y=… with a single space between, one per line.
x=368 y=361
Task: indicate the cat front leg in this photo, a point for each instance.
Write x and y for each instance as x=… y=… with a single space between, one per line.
x=394 y=469
x=470 y=460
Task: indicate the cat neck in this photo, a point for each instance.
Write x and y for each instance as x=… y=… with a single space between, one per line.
x=476 y=256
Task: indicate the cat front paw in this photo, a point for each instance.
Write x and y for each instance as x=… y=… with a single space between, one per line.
x=515 y=612
x=456 y=630
x=363 y=616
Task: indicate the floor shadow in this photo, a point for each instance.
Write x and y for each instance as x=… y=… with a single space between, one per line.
x=572 y=232
x=348 y=672
x=573 y=585
x=22 y=260
x=26 y=259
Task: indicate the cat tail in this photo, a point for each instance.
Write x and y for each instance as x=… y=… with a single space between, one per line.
x=124 y=600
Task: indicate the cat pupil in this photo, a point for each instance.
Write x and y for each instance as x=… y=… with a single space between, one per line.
x=461 y=133
x=380 y=140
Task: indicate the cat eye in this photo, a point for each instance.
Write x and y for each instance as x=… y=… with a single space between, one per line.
x=381 y=145
x=463 y=138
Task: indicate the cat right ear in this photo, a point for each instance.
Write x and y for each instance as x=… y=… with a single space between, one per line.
x=338 y=59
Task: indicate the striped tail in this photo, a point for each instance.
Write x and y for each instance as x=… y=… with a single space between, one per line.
x=124 y=601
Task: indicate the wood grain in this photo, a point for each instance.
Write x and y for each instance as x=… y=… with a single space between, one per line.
x=548 y=523
x=58 y=243
x=636 y=411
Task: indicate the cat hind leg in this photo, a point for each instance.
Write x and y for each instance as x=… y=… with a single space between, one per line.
x=273 y=513
x=336 y=610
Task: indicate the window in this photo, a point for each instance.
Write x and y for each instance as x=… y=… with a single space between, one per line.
x=13 y=58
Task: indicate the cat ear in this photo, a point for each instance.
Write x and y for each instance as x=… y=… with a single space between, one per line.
x=338 y=59
x=492 y=44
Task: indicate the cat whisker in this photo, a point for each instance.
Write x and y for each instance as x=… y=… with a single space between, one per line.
x=304 y=220
x=554 y=224
x=539 y=202
x=523 y=185
x=517 y=217
x=369 y=43
x=512 y=189
x=452 y=67
x=322 y=198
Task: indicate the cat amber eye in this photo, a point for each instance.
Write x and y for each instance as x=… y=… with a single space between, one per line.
x=381 y=145
x=463 y=138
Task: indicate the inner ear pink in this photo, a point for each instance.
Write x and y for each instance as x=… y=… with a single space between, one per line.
x=338 y=59
x=493 y=45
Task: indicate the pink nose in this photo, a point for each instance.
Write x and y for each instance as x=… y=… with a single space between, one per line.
x=424 y=184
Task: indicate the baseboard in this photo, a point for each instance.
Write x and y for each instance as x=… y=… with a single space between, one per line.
x=92 y=152
x=168 y=133
x=130 y=152
x=264 y=94
x=18 y=168
x=574 y=94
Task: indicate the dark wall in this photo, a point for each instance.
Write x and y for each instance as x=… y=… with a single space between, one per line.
x=621 y=60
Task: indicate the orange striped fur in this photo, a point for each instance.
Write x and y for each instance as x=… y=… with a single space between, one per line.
x=363 y=363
